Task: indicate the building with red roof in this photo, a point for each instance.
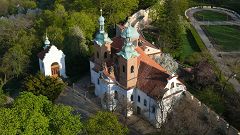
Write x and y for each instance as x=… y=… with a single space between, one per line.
x=124 y=72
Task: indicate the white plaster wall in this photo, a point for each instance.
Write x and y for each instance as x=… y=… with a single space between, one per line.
x=146 y=110
x=149 y=50
x=54 y=55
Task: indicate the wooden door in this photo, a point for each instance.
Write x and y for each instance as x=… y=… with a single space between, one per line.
x=55 y=69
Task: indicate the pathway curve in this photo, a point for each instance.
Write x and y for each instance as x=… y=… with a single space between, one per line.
x=196 y=24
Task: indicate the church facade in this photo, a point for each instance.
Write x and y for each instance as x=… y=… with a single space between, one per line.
x=52 y=60
x=126 y=77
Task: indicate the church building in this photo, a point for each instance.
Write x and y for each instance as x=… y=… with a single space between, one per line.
x=125 y=75
x=52 y=61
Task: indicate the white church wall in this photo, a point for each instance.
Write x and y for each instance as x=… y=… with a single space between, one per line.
x=54 y=55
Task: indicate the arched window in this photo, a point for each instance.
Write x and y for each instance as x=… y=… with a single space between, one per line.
x=105 y=55
x=132 y=69
x=145 y=102
x=131 y=97
x=115 y=95
x=153 y=109
x=139 y=99
x=123 y=68
x=97 y=55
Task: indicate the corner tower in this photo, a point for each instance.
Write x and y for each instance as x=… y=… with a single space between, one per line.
x=128 y=60
x=102 y=44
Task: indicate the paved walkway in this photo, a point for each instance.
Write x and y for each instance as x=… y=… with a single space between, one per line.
x=219 y=61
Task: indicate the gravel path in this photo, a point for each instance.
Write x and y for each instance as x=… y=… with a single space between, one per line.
x=219 y=61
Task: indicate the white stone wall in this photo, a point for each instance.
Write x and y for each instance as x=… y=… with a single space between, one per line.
x=53 y=55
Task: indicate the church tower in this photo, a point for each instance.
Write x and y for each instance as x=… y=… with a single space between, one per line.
x=102 y=44
x=128 y=59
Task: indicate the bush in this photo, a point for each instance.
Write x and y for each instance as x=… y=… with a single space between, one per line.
x=44 y=85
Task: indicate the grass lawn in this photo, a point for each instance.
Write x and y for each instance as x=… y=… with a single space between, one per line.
x=189 y=45
x=208 y=15
x=226 y=38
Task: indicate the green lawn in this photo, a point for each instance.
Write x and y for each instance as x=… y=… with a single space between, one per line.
x=189 y=45
x=226 y=38
x=208 y=15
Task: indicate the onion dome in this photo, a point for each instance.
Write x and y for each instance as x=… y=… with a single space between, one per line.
x=128 y=51
x=101 y=20
x=130 y=32
x=102 y=38
x=46 y=42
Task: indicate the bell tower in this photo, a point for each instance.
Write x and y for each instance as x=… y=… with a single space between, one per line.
x=102 y=44
x=128 y=61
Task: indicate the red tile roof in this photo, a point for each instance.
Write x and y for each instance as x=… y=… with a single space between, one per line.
x=145 y=42
x=152 y=78
x=42 y=54
x=117 y=43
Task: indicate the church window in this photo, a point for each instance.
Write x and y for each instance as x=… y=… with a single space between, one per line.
x=97 y=55
x=145 y=102
x=105 y=55
x=123 y=68
x=139 y=99
x=131 y=97
x=132 y=69
x=153 y=109
x=115 y=95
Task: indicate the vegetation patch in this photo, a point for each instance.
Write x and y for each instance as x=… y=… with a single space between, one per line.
x=225 y=38
x=208 y=15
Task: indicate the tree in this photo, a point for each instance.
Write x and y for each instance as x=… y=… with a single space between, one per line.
x=146 y=3
x=167 y=17
x=105 y=123
x=204 y=74
x=43 y=85
x=116 y=13
x=190 y=117
x=85 y=21
x=32 y=114
x=167 y=62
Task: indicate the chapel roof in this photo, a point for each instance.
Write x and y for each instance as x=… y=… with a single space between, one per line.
x=42 y=54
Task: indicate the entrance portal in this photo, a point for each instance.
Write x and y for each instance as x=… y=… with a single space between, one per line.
x=55 y=69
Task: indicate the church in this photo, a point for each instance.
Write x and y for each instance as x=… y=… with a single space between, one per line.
x=126 y=76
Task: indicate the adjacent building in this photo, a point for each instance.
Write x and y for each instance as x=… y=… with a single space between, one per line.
x=52 y=61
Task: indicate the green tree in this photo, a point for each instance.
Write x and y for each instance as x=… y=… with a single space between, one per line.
x=168 y=19
x=44 y=85
x=85 y=21
x=116 y=11
x=105 y=123
x=32 y=114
